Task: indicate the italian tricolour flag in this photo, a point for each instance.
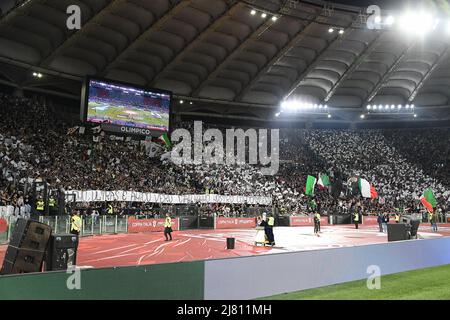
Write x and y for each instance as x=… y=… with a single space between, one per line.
x=367 y=190
x=165 y=140
x=324 y=181
x=428 y=200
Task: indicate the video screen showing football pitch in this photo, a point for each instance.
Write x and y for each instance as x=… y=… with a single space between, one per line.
x=127 y=115
x=124 y=105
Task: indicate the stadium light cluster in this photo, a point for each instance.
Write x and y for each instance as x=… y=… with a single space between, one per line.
x=37 y=75
x=293 y=106
x=339 y=30
x=263 y=15
x=296 y=106
x=418 y=22
x=390 y=108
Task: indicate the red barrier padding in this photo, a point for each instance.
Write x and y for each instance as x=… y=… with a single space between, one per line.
x=3 y=225
x=370 y=220
x=235 y=223
x=301 y=221
x=149 y=225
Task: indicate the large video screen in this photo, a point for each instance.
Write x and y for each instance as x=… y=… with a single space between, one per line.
x=125 y=105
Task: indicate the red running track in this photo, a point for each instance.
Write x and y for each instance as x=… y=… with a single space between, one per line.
x=188 y=245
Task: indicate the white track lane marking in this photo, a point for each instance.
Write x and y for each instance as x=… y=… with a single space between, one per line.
x=111 y=257
x=140 y=247
x=156 y=252
x=179 y=244
x=153 y=241
x=130 y=245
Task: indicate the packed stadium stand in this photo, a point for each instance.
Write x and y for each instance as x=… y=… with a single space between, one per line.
x=43 y=147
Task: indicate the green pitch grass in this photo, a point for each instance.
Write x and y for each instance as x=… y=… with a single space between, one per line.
x=430 y=283
x=117 y=112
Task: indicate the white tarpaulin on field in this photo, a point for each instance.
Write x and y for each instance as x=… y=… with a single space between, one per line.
x=131 y=196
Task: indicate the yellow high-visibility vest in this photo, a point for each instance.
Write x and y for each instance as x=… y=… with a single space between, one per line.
x=110 y=209
x=271 y=221
x=356 y=217
x=76 y=223
x=51 y=202
x=168 y=222
x=40 y=205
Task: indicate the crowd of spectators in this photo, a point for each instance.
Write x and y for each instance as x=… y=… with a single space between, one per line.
x=36 y=143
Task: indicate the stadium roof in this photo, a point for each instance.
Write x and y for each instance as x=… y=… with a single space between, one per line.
x=225 y=59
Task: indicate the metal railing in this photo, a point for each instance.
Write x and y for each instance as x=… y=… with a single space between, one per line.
x=92 y=225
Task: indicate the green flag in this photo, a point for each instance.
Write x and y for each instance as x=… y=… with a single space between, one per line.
x=310 y=184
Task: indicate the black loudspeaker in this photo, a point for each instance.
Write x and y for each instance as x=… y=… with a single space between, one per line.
x=62 y=252
x=414 y=227
x=26 y=248
x=397 y=232
x=230 y=243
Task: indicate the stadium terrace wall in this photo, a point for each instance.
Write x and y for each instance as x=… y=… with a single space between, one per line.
x=232 y=278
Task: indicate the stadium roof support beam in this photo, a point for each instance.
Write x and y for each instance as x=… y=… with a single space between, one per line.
x=300 y=35
x=233 y=7
x=157 y=25
x=313 y=65
x=356 y=63
x=28 y=66
x=74 y=36
x=254 y=35
x=227 y=103
x=428 y=74
x=388 y=73
x=17 y=11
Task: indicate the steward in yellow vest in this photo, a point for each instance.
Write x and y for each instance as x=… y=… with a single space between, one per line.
x=356 y=219
x=316 y=223
x=76 y=223
x=269 y=231
x=40 y=206
x=168 y=227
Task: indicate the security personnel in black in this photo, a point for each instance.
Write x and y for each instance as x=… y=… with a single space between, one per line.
x=40 y=207
x=269 y=231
